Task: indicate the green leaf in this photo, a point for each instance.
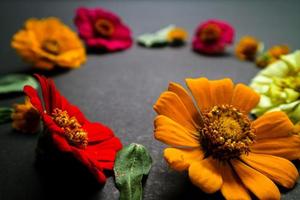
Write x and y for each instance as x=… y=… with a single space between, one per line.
x=132 y=163
x=5 y=114
x=16 y=82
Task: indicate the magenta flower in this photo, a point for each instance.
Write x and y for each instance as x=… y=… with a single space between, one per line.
x=102 y=29
x=212 y=36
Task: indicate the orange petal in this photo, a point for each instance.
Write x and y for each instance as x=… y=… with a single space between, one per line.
x=221 y=91
x=168 y=131
x=180 y=159
x=200 y=89
x=206 y=175
x=244 y=98
x=286 y=147
x=209 y=93
x=261 y=186
x=170 y=105
x=272 y=125
x=187 y=101
x=278 y=169
x=232 y=187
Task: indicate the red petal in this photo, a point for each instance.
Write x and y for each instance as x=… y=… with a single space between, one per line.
x=34 y=98
x=101 y=154
x=113 y=143
x=97 y=132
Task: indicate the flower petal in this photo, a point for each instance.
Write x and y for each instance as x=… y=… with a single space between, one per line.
x=221 y=91
x=272 y=125
x=278 y=169
x=286 y=147
x=170 y=105
x=180 y=159
x=168 y=131
x=261 y=186
x=232 y=187
x=210 y=93
x=244 y=98
x=186 y=100
x=34 y=98
x=97 y=132
x=200 y=89
x=206 y=175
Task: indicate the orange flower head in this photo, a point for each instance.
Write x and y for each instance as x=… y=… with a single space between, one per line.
x=247 y=48
x=177 y=34
x=25 y=118
x=47 y=43
x=220 y=146
x=278 y=50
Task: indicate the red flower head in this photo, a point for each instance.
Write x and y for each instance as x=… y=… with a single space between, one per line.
x=92 y=143
x=102 y=29
x=212 y=36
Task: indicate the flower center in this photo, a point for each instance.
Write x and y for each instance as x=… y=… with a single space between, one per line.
x=104 y=27
x=73 y=131
x=227 y=133
x=51 y=46
x=249 y=51
x=210 y=33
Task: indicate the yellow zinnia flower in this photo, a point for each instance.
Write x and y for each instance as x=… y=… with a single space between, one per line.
x=273 y=54
x=221 y=148
x=25 y=117
x=47 y=43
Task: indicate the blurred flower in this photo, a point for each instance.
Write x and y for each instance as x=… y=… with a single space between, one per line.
x=221 y=148
x=102 y=29
x=25 y=117
x=271 y=55
x=47 y=43
x=92 y=143
x=247 y=48
x=212 y=36
x=170 y=35
x=279 y=87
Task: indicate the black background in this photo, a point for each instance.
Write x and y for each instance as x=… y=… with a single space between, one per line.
x=119 y=89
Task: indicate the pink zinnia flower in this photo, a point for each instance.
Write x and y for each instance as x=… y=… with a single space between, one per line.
x=212 y=37
x=102 y=29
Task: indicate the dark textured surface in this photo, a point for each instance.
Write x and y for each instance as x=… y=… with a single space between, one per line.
x=119 y=89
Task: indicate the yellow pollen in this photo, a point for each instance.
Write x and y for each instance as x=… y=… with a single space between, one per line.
x=227 y=133
x=51 y=46
x=73 y=131
x=104 y=27
x=210 y=34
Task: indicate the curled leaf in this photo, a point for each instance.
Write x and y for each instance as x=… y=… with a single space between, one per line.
x=16 y=82
x=132 y=163
x=5 y=114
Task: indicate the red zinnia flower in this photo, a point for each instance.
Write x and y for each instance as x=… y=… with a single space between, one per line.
x=102 y=29
x=212 y=37
x=91 y=143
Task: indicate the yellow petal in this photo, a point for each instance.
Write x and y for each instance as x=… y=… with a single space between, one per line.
x=261 y=186
x=187 y=101
x=232 y=187
x=244 y=98
x=278 y=169
x=286 y=147
x=170 y=105
x=168 y=131
x=206 y=175
x=180 y=159
x=272 y=125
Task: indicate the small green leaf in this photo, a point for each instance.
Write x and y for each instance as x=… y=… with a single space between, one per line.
x=132 y=163
x=16 y=82
x=5 y=114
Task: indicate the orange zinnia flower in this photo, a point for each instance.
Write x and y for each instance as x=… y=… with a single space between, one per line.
x=221 y=148
x=47 y=43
